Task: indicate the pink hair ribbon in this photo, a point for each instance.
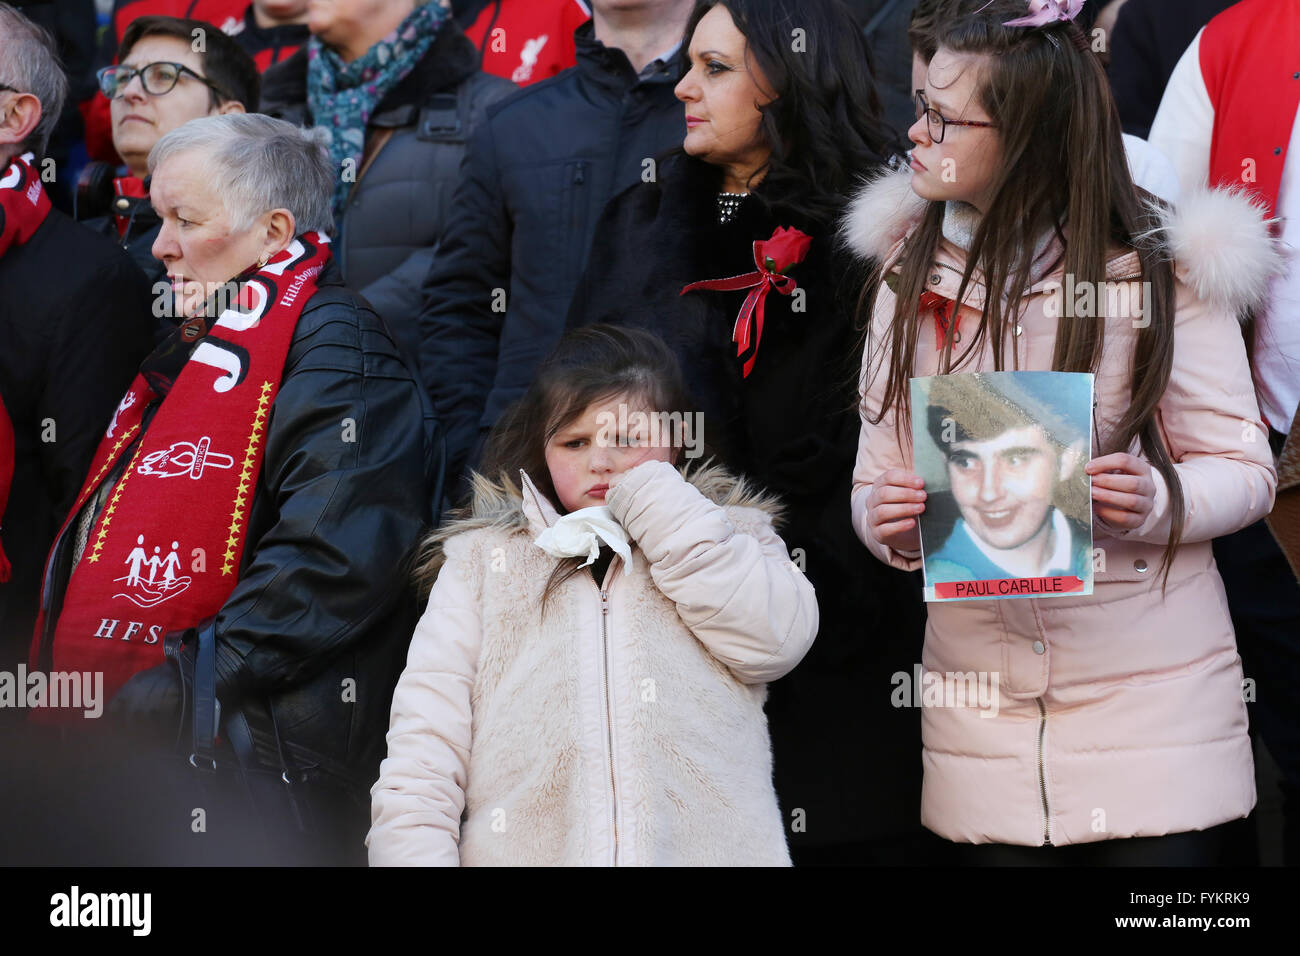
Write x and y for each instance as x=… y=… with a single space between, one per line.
x=1044 y=12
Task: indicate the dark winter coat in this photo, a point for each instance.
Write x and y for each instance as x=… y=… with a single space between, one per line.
x=415 y=143
x=885 y=24
x=791 y=426
x=539 y=171
x=74 y=324
x=1149 y=38
x=142 y=228
x=322 y=595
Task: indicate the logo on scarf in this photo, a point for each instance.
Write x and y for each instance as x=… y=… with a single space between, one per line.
x=126 y=403
x=184 y=458
x=152 y=589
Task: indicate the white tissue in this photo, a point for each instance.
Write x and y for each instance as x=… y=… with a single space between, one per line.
x=581 y=532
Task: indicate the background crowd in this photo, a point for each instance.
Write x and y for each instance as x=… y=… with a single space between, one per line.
x=501 y=173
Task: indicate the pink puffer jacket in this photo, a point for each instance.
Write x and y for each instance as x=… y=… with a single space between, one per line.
x=1120 y=714
x=625 y=725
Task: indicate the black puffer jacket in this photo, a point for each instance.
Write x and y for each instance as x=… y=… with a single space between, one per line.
x=389 y=233
x=846 y=762
x=323 y=596
x=538 y=173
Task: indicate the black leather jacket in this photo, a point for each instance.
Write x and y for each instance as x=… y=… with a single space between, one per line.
x=319 y=622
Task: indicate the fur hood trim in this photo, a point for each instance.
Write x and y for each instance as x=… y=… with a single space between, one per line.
x=500 y=504
x=1221 y=246
x=1218 y=239
x=882 y=212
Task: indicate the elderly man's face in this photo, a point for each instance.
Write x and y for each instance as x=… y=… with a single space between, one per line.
x=141 y=119
x=196 y=242
x=1004 y=485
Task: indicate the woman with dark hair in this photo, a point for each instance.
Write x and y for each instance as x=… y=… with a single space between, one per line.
x=1119 y=732
x=781 y=121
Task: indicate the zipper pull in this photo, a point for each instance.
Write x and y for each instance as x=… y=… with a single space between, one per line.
x=579 y=176
x=604 y=602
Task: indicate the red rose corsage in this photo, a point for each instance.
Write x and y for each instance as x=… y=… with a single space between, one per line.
x=786 y=249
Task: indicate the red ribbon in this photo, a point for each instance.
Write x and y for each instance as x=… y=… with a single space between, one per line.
x=772 y=257
x=943 y=324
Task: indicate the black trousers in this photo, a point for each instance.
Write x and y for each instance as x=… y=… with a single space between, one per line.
x=1264 y=600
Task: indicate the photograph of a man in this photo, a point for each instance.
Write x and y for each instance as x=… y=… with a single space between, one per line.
x=1004 y=453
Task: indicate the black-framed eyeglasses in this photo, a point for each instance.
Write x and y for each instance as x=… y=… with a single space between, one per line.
x=11 y=89
x=938 y=123
x=157 y=79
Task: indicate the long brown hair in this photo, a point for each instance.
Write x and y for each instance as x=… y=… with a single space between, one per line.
x=590 y=365
x=1063 y=166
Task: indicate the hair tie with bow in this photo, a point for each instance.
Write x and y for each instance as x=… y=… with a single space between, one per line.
x=1045 y=12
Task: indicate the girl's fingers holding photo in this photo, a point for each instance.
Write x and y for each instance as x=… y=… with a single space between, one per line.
x=1122 y=500
x=900 y=477
x=1118 y=518
x=883 y=514
x=1133 y=484
x=900 y=535
x=896 y=486
x=892 y=494
x=1119 y=461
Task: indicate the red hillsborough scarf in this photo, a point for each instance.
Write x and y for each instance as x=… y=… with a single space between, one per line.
x=164 y=553
x=23 y=207
x=23 y=203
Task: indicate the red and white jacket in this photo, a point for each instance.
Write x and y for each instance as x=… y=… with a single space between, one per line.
x=528 y=40
x=1228 y=118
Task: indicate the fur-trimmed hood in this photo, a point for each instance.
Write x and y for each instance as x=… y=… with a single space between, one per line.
x=507 y=506
x=1219 y=239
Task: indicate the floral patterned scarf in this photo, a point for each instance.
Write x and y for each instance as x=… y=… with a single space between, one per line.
x=342 y=96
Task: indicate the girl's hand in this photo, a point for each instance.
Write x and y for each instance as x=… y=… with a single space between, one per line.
x=1123 y=493
x=639 y=458
x=897 y=499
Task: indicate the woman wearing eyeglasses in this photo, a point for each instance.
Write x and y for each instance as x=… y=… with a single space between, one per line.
x=1119 y=733
x=161 y=82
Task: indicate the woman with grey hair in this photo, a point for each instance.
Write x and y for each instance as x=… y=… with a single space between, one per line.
x=257 y=490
